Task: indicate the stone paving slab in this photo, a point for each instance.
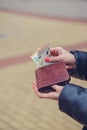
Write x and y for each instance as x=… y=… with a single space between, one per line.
x=22 y=34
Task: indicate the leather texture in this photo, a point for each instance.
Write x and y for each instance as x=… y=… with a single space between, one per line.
x=51 y=74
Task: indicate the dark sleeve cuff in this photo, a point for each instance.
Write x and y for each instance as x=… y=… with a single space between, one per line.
x=84 y=128
x=73 y=102
x=81 y=65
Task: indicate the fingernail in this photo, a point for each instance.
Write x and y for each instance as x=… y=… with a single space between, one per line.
x=33 y=87
x=47 y=59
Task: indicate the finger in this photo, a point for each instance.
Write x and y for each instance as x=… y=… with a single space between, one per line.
x=55 y=59
x=34 y=83
x=69 y=67
x=55 y=87
x=53 y=52
x=50 y=95
x=40 y=94
x=56 y=51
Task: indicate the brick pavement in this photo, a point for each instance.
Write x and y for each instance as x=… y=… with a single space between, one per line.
x=20 y=108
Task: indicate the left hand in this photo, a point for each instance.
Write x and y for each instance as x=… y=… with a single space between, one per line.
x=51 y=95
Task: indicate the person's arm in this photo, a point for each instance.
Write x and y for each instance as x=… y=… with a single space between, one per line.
x=76 y=61
x=72 y=99
x=84 y=128
x=80 y=70
x=73 y=102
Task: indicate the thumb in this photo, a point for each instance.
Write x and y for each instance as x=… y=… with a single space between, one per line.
x=57 y=88
x=55 y=59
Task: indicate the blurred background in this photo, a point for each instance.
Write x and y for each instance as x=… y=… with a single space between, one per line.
x=26 y=25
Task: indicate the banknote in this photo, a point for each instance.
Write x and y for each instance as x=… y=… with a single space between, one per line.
x=40 y=54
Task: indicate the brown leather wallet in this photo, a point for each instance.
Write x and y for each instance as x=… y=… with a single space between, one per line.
x=55 y=73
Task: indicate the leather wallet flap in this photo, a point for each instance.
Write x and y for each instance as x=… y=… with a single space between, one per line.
x=51 y=74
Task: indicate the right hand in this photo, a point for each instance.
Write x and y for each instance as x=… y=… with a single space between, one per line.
x=59 y=54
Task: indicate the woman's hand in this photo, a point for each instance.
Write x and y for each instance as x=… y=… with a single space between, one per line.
x=59 y=54
x=51 y=95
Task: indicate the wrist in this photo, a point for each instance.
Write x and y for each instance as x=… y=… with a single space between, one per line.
x=73 y=60
x=60 y=91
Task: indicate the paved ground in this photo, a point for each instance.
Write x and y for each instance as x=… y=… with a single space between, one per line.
x=57 y=8
x=20 y=35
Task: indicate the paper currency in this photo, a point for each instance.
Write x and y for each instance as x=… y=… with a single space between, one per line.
x=40 y=54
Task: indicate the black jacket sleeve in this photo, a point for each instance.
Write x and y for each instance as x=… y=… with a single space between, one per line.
x=73 y=101
x=81 y=65
x=73 y=98
x=84 y=128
